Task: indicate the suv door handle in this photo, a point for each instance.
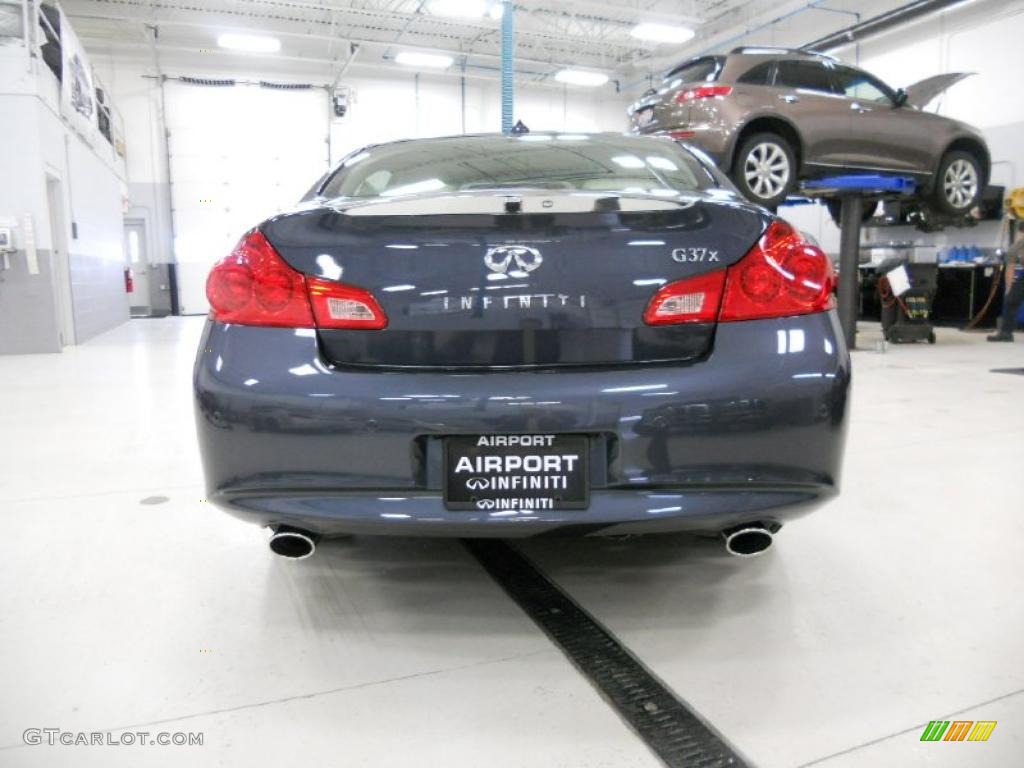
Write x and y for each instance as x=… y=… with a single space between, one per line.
x=789 y=98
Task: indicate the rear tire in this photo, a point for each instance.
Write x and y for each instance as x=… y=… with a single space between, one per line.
x=957 y=183
x=764 y=169
x=835 y=207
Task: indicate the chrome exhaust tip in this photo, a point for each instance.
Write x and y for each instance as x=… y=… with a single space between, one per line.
x=747 y=540
x=293 y=543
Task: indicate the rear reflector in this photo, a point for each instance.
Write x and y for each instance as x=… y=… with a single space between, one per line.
x=255 y=286
x=780 y=276
x=702 y=92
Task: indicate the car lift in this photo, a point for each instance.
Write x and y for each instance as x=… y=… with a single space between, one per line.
x=852 y=191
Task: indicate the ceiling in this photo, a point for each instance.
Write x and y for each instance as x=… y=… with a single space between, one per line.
x=321 y=35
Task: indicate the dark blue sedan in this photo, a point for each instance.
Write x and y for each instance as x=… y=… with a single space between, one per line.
x=509 y=335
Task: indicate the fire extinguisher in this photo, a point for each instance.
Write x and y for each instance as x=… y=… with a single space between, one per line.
x=129 y=280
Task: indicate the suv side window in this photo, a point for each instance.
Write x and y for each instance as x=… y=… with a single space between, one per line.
x=859 y=85
x=760 y=74
x=808 y=75
x=705 y=69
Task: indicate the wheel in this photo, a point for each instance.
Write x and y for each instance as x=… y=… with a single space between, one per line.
x=835 y=209
x=957 y=183
x=931 y=337
x=765 y=169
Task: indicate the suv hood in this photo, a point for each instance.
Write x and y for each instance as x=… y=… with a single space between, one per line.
x=921 y=93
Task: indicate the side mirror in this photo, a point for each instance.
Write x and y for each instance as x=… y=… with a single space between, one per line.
x=901 y=98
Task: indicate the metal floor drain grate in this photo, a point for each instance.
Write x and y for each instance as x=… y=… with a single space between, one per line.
x=666 y=724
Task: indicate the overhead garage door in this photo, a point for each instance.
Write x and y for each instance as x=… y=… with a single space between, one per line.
x=238 y=154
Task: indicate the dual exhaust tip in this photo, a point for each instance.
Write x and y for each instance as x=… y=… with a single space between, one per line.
x=292 y=543
x=748 y=540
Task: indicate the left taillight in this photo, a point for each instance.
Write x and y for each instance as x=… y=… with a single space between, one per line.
x=255 y=286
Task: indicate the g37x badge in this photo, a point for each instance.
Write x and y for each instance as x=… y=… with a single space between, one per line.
x=692 y=255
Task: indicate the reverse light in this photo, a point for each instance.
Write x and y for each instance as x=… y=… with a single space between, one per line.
x=336 y=305
x=702 y=92
x=694 y=300
x=255 y=286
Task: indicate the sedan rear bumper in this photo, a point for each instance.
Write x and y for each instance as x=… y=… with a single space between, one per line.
x=753 y=432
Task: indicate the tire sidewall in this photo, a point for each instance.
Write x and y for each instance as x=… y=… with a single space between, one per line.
x=939 y=192
x=741 y=160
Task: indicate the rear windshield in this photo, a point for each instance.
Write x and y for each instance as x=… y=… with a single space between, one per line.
x=626 y=164
x=703 y=70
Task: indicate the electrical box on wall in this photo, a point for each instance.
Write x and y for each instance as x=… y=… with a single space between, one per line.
x=342 y=97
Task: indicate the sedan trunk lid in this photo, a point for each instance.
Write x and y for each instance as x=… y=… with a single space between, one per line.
x=531 y=279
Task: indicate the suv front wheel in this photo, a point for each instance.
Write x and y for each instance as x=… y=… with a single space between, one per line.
x=765 y=169
x=957 y=183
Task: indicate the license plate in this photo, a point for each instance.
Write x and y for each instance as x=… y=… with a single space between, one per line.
x=516 y=473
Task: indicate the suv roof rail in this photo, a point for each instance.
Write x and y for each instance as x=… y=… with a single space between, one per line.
x=767 y=49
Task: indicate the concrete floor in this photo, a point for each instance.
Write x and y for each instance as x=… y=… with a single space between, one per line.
x=129 y=605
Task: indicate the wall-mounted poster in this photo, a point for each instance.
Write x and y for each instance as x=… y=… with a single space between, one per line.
x=78 y=96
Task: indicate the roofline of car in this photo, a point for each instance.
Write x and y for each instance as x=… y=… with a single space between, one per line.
x=754 y=50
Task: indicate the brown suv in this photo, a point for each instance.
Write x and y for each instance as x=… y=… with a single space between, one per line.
x=772 y=117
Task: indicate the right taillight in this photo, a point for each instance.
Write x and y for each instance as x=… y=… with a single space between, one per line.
x=255 y=286
x=781 y=275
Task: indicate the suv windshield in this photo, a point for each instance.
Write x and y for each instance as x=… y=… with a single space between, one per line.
x=548 y=161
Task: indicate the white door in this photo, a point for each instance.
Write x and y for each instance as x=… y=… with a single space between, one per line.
x=59 y=261
x=238 y=154
x=137 y=260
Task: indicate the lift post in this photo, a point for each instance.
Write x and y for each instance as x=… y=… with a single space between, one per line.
x=852 y=191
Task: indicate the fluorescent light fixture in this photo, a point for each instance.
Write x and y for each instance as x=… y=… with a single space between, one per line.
x=579 y=77
x=467 y=9
x=250 y=43
x=417 y=59
x=662 y=33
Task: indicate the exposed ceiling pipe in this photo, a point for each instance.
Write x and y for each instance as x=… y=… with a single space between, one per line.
x=353 y=52
x=508 y=42
x=879 y=24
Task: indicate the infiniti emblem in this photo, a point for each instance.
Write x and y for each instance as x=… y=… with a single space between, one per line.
x=512 y=260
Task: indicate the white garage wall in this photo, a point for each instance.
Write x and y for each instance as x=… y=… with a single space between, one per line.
x=240 y=154
x=982 y=37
